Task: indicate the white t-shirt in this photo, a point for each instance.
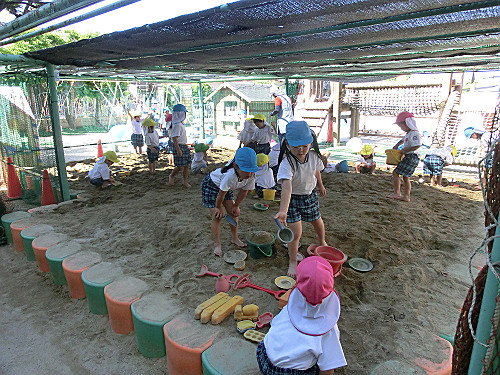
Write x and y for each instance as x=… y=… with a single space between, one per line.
x=152 y=139
x=246 y=134
x=368 y=161
x=100 y=169
x=305 y=350
x=487 y=141
x=198 y=160
x=274 y=155
x=162 y=121
x=411 y=139
x=179 y=130
x=137 y=127
x=264 y=135
x=264 y=177
x=229 y=180
x=303 y=178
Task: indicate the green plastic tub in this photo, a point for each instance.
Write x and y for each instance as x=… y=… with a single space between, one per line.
x=55 y=256
x=230 y=356
x=7 y=219
x=94 y=280
x=29 y=234
x=260 y=244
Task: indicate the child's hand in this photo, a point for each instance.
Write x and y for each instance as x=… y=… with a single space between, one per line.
x=322 y=190
x=219 y=214
x=235 y=212
x=281 y=216
x=179 y=153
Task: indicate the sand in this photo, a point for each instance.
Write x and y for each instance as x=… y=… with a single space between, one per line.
x=161 y=235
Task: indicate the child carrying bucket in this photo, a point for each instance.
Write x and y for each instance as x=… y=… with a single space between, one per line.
x=300 y=174
x=264 y=177
x=411 y=156
x=304 y=336
x=217 y=191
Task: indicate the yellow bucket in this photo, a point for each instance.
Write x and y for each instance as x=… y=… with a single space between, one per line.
x=268 y=194
x=393 y=156
x=253 y=193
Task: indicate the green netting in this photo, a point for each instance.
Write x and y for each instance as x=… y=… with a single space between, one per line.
x=26 y=133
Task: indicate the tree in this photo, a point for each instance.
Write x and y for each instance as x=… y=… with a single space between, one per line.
x=19 y=8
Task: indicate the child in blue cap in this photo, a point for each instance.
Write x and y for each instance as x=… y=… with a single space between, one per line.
x=300 y=174
x=217 y=191
x=182 y=154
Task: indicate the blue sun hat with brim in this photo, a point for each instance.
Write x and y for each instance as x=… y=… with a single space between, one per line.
x=470 y=130
x=298 y=133
x=246 y=159
x=343 y=167
x=179 y=108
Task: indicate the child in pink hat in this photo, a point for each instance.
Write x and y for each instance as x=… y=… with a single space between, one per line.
x=411 y=156
x=304 y=337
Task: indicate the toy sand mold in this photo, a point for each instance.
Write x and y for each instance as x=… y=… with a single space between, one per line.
x=260 y=244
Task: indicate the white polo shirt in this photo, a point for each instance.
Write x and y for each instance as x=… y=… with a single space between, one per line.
x=152 y=139
x=137 y=127
x=100 y=169
x=264 y=177
x=179 y=130
x=229 y=180
x=264 y=135
x=303 y=178
x=411 y=139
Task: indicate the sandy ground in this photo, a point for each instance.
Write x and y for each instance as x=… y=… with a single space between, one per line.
x=161 y=234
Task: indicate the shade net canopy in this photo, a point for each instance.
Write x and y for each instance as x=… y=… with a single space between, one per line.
x=344 y=40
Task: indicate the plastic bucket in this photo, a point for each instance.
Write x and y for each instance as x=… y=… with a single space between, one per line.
x=269 y=194
x=334 y=256
x=259 y=249
x=393 y=156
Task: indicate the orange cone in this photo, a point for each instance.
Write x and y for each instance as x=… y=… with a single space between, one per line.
x=99 y=149
x=48 y=196
x=13 y=183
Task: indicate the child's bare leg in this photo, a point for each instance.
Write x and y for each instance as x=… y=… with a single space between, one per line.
x=372 y=167
x=396 y=182
x=439 y=180
x=433 y=180
x=171 y=177
x=293 y=248
x=185 y=174
x=407 y=189
x=140 y=149
x=319 y=227
x=215 y=227
x=234 y=229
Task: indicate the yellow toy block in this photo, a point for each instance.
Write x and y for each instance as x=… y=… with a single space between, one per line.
x=208 y=302
x=207 y=314
x=226 y=309
x=247 y=312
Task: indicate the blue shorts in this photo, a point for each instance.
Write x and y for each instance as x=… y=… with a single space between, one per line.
x=137 y=140
x=263 y=148
x=433 y=165
x=209 y=192
x=408 y=165
x=303 y=208
x=153 y=155
x=267 y=368
x=185 y=159
x=96 y=181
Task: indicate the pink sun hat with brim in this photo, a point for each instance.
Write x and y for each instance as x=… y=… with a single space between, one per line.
x=403 y=116
x=313 y=306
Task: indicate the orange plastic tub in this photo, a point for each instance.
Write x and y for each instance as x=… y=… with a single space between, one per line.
x=334 y=256
x=73 y=266
x=42 y=243
x=185 y=341
x=16 y=228
x=119 y=295
x=443 y=350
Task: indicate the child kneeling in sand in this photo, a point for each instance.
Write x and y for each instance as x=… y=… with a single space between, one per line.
x=411 y=143
x=100 y=174
x=264 y=177
x=304 y=337
x=200 y=158
x=217 y=191
x=365 y=163
x=300 y=174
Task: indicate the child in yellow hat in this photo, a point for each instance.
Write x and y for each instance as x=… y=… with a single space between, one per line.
x=262 y=136
x=264 y=177
x=100 y=174
x=365 y=162
x=152 y=140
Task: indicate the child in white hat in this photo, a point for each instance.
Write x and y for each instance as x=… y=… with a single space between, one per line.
x=304 y=337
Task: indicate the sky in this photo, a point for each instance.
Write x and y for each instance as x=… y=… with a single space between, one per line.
x=134 y=15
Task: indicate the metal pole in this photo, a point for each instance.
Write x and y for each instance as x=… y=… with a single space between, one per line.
x=486 y=311
x=202 y=109
x=56 y=127
x=287 y=89
x=45 y=13
x=71 y=21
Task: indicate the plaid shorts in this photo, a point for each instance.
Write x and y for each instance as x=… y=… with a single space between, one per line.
x=209 y=192
x=137 y=140
x=433 y=165
x=183 y=160
x=303 y=208
x=408 y=165
x=263 y=148
x=153 y=155
x=267 y=368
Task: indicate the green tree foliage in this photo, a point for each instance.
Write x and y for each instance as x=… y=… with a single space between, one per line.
x=47 y=40
x=207 y=90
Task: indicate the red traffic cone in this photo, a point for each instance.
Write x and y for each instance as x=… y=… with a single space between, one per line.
x=13 y=183
x=48 y=196
x=99 y=149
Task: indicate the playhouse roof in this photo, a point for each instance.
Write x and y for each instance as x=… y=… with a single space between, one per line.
x=250 y=92
x=343 y=40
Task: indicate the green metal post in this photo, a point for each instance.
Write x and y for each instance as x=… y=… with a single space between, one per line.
x=488 y=305
x=287 y=89
x=56 y=126
x=202 y=109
